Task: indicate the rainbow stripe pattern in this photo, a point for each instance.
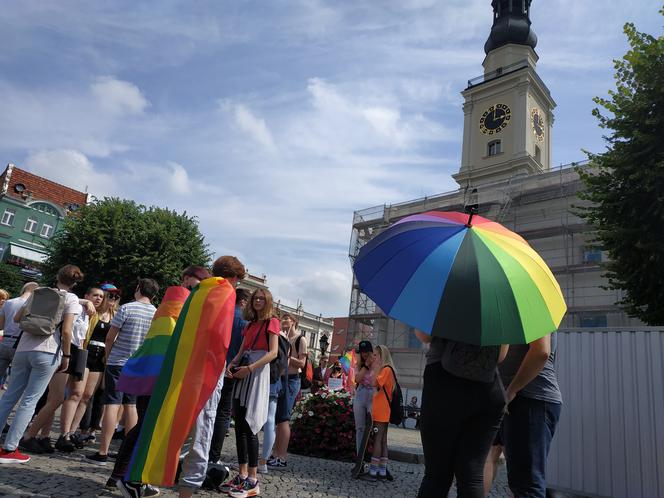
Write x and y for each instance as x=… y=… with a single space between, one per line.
x=461 y=278
x=140 y=373
x=347 y=361
x=193 y=363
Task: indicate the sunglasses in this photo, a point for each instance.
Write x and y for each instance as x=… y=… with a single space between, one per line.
x=113 y=297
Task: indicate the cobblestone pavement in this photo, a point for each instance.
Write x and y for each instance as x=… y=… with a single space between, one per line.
x=64 y=475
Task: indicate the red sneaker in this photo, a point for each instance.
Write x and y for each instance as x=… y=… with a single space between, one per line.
x=13 y=456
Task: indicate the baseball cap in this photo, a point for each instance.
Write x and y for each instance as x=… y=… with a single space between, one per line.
x=365 y=347
x=110 y=288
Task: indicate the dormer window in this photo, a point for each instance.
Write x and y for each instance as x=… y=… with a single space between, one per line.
x=494 y=148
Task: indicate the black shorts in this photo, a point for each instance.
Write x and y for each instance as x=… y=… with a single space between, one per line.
x=111 y=395
x=77 y=363
x=96 y=358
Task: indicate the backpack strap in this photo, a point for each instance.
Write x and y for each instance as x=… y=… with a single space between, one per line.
x=297 y=347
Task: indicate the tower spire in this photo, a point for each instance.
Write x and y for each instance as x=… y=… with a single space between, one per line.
x=511 y=24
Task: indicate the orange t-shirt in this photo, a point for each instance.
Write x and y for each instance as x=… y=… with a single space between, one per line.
x=380 y=410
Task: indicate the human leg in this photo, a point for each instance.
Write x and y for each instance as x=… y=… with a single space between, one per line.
x=380 y=442
x=222 y=420
x=91 y=385
x=361 y=406
x=70 y=405
x=129 y=442
x=491 y=466
x=195 y=464
x=44 y=419
x=18 y=382
x=529 y=429
x=439 y=432
x=42 y=367
x=269 y=433
x=112 y=403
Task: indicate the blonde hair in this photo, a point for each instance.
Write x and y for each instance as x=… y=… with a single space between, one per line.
x=385 y=357
x=4 y=294
x=108 y=305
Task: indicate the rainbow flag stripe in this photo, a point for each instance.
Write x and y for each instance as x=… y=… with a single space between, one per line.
x=348 y=361
x=140 y=373
x=195 y=359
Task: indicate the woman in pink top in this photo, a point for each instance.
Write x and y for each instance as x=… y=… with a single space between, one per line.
x=364 y=378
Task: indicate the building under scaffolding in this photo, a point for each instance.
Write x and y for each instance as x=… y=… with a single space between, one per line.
x=540 y=207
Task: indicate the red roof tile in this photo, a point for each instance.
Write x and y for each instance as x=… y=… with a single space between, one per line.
x=41 y=189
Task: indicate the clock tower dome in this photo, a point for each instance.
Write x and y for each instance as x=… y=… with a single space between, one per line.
x=508 y=114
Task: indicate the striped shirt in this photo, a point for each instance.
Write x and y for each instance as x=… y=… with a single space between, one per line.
x=133 y=319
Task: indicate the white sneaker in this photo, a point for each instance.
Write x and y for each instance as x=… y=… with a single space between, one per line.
x=262 y=469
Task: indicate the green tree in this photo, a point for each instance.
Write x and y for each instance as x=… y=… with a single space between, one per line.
x=120 y=241
x=10 y=279
x=626 y=182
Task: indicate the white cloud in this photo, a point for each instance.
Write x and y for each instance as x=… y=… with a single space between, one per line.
x=325 y=290
x=179 y=178
x=71 y=168
x=254 y=126
x=118 y=97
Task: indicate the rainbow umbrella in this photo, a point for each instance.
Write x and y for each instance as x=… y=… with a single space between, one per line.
x=461 y=277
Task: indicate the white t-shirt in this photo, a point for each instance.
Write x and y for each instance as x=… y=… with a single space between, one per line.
x=80 y=329
x=49 y=343
x=12 y=330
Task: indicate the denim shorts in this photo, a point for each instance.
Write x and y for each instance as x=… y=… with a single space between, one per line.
x=111 y=395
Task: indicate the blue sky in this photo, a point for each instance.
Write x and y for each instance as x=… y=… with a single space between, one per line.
x=272 y=121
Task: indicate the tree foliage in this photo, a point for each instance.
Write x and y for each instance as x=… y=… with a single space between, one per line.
x=10 y=279
x=120 y=241
x=626 y=182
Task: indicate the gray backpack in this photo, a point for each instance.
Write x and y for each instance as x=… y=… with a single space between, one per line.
x=43 y=312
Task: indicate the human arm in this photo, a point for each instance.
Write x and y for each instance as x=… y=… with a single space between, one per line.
x=300 y=360
x=110 y=340
x=233 y=363
x=65 y=340
x=504 y=348
x=273 y=345
x=532 y=364
x=19 y=315
x=88 y=306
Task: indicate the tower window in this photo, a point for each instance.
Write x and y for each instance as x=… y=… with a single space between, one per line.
x=538 y=154
x=494 y=148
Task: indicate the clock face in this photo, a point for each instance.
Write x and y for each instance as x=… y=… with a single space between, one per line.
x=495 y=119
x=537 y=123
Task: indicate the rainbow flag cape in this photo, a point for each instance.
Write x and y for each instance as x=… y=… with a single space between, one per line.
x=194 y=361
x=348 y=361
x=140 y=373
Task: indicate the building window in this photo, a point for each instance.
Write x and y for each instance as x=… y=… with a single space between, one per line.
x=538 y=154
x=46 y=230
x=592 y=255
x=31 y=225
x=494 y=148
x=8 y=217
x=598 y=320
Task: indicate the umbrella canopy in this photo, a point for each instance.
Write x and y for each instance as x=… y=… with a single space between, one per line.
x=479 y=284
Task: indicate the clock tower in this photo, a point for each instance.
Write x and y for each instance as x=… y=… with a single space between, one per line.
x=508 y=110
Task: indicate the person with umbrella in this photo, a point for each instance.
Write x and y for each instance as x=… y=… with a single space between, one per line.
x=468 y=285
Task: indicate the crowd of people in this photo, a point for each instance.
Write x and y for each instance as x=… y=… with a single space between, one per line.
x=73 y=361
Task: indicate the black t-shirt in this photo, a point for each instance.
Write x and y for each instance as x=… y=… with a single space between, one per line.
x=100 y=331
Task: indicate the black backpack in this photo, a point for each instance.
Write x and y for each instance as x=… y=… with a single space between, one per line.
x=478 y=363
x=395 y=400
x=279 y=366
x=305 y=383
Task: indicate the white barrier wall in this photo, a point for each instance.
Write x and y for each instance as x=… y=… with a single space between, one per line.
x=610 y=438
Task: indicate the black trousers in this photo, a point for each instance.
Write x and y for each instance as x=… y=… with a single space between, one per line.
x=222 y=421
x=458 y=422
x=245 y=440
x=129 y=442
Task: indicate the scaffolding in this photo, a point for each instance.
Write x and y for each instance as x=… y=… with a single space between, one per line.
x=540 y=207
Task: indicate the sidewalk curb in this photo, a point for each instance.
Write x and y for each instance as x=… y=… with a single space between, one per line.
x=406 y=456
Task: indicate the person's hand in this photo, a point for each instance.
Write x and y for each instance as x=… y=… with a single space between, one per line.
x=90 y=308
x=64 y=364
x=242 y=372
x=229 y=370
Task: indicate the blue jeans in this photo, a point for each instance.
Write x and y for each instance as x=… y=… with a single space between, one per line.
x=526 y=435
x=293 y=389
x=31 y=373
x=269 y=434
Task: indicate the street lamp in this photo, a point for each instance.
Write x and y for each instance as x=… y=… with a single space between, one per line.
x=323 y=343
